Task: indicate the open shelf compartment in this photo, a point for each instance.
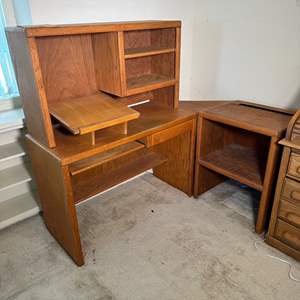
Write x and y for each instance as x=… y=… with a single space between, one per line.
x=101 y=177
x=147 y=73
x=235 y=153
x=139 y=42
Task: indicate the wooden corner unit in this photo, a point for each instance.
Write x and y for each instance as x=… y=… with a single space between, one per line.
x=239 y=140
x=284 y=228
x=76 y=82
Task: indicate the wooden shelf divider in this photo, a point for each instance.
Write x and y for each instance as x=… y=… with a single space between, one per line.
x=147 y=82
x=236 y=162
x=146 y=51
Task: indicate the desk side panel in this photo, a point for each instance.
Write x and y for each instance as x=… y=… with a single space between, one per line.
x=55 y=192
x=178 y=171
x=26 y=64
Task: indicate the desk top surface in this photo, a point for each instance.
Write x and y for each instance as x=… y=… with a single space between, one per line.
x=260 y=119
x=153 y=118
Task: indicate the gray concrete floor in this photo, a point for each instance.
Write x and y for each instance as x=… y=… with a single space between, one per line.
x=147 y=240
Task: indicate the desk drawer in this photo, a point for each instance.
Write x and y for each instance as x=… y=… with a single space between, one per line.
x=291 y=191
x=289 y=213
x=169 y=133
x=288 y=234
x=294 y=166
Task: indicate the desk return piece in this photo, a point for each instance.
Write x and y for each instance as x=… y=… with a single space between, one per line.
x=239 y=141
x=76 y=82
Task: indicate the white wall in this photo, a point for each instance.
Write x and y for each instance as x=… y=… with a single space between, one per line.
x=231 y=49
x=247 y=49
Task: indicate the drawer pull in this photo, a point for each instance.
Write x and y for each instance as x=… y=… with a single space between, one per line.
x=295 y=195
x=298 y=170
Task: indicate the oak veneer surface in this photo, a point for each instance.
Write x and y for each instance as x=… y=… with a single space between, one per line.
x=147 y=51
x=90 y=113
x=147 y=79
x=256 y=119
x=66 y=29
x=237 y=162
x=100 y=178
x=67 y=66
x=200 y=105
x=27 y=67
x=152 y=118
x=104 y=157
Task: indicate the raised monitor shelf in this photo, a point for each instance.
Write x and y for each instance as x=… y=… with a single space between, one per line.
x=91 y=113
x=147 y=82
x=147 y=51
x=237 y=162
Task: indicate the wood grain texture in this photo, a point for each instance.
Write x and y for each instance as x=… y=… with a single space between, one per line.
x=259 y=120
x=200 y=105
x=69 y=29
x=291 y=191
x=268 y=185
x=284 y=232
x=153 y=118
x=228 y=145
x=108 y=63
x=236 y=162
x=288 y=234
x=177 y=66
x=147 y=51
x=30 y=82
x=97 y=160
x=294 y=166
x=91 y=113
x=67 y=65
x=104 y=176
x=274 y=242
x=56 y=198
x=179 y=148
x=289 y=213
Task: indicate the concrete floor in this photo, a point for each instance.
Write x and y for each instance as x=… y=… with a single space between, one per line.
x=146 y=240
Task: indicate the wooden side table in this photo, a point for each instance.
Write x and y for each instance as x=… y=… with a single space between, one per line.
x=239 y=140
x=284 y=229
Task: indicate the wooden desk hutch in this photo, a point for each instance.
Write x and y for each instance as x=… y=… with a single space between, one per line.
x=76 y=82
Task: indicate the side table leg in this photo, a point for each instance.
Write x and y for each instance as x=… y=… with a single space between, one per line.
x=265 y=198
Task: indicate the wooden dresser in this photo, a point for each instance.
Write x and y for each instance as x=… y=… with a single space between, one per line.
x=284 y=229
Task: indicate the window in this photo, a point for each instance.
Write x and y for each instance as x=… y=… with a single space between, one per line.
x=8 y=84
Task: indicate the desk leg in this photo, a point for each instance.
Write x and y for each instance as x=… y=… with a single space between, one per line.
x=265 y=198
x=55 y=193
x=178 y=171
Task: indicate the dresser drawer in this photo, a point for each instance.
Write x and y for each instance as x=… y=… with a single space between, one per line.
x=291 y=191
x=289 y=213
x=288 y=234
x=168 y=134
x=294 y=166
